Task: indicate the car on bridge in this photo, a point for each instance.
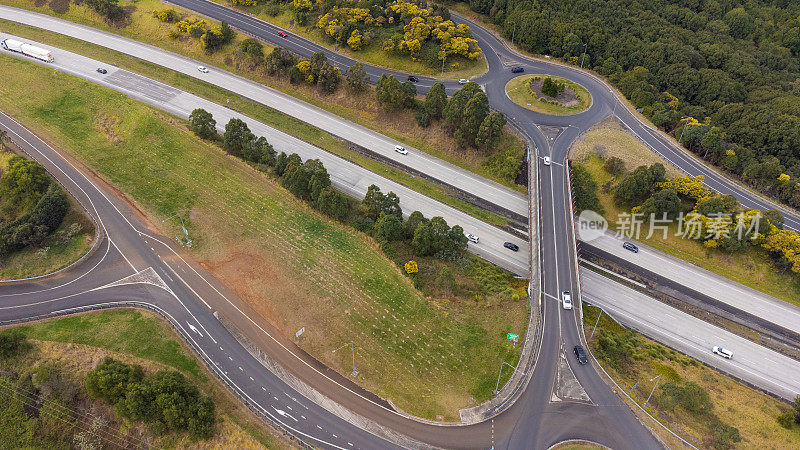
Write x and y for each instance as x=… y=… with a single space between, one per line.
x=566 y=300
x=580 y=354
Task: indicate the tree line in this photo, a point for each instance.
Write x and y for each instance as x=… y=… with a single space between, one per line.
x=32 y=205
x=378 y=214
x=722 y=73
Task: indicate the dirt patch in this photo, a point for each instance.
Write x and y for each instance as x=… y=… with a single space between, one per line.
x=565 y=98
x=58 y=6
x=107 y=126
x=39 y=3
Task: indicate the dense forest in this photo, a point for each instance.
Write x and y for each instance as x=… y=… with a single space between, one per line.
x=721 y=74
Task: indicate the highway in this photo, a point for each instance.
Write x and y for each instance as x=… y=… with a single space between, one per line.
x=698 y=279
x=345 y=176
x=752 y=363
x=532 y=421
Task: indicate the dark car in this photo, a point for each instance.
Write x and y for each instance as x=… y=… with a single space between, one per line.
x=511 y=246
x=631 y=247
x=580 y=354
x=518 y=69
x=101 y=70
x=413 y=79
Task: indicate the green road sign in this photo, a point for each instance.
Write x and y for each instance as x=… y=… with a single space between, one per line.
x=512 y=337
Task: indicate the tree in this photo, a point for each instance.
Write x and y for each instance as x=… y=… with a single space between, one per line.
x=454 y=110
x=333 y=203
x=228 y=35
x=414 y=220
x=259 y=151
x=203 y=124
x=408 y=92
x=328 y=78
x=21 y=186
x=388 y=228
x=280 y=61
x=774 y=217
x=422 y=117
x=490 y=130
x=111 y=379
x=584 y=190
x=51 y=209
x=475 y=112
x=665 y=201
x=389 y=92
x=551 y=87
x=436 y=101
x=636 y=186
x=614 y=166
x=252 y=48
x=296 y=179
x=237 y=137
x=373 y=201
x=357 y=78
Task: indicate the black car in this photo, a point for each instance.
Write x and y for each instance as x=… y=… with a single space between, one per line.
x=518 y=69
x=413 y=79
x=511 y=246
x=580 y=354
x=631 y=247
x=101 y=70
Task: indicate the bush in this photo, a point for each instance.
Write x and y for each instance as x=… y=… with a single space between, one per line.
x=13 y=342
x=725 y=436
x=787 y=420
x=614 y=166
x=584 y=190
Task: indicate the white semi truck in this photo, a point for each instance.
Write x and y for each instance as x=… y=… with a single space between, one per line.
x=14 y=45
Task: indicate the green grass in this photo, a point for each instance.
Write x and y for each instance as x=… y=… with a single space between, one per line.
x=363 y=109
x=752 y=412
x=123 y=331
x=751 y=268
x=293 y=265
x=519 y=92
x=372 y=54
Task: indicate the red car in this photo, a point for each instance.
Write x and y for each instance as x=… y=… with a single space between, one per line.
x=282 y=34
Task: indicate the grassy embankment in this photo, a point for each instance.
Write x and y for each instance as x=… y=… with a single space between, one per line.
x=75 y=344
x=363 y=109
x=65 y=245
x=255 y=110
x=753 y=413
x=372 y=54
x=751 y=268
x=431 y=356
x=520 y=93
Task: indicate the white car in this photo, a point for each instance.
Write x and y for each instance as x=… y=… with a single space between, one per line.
x=203 y=69
x=546 y=160
x=400 y=149
x=566 y=300
x=463 y=81
x=472 y=238
x=725 y=353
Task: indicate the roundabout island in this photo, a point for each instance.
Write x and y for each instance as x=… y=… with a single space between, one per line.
x=548 y=94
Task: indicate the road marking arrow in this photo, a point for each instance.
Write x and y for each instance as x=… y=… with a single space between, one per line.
x=193 y=328
x=284 y=413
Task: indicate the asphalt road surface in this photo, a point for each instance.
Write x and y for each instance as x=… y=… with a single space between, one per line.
x=717 y=287
x=347 y=177
x=752 y=363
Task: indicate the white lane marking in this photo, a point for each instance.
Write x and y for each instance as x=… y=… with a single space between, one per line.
x=251 y=379
x=240 y=368
x=194 y=329
x=284 y=413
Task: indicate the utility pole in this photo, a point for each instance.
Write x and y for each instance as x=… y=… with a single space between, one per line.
x=513 y=32
x=595 y=324
x=584 y=53
x=444 y=56
x=354 y=373
x=658 y=379
x=682 y=129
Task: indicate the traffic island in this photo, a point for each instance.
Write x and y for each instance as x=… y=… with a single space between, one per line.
x=548 y=95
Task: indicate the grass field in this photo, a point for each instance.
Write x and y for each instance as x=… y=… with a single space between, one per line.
x=518 y=91
x=255 y=110
x=294 y=266
x=77 y=343
x=752 y=268
x=362 y=109
x=372 y=54
x=752 y=412
x=65 y=245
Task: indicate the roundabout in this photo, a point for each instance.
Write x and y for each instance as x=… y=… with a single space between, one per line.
x=565 y=97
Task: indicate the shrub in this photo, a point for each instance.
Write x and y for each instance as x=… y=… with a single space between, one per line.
x=13 y=342
x=167 y=15
x=614 y=166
